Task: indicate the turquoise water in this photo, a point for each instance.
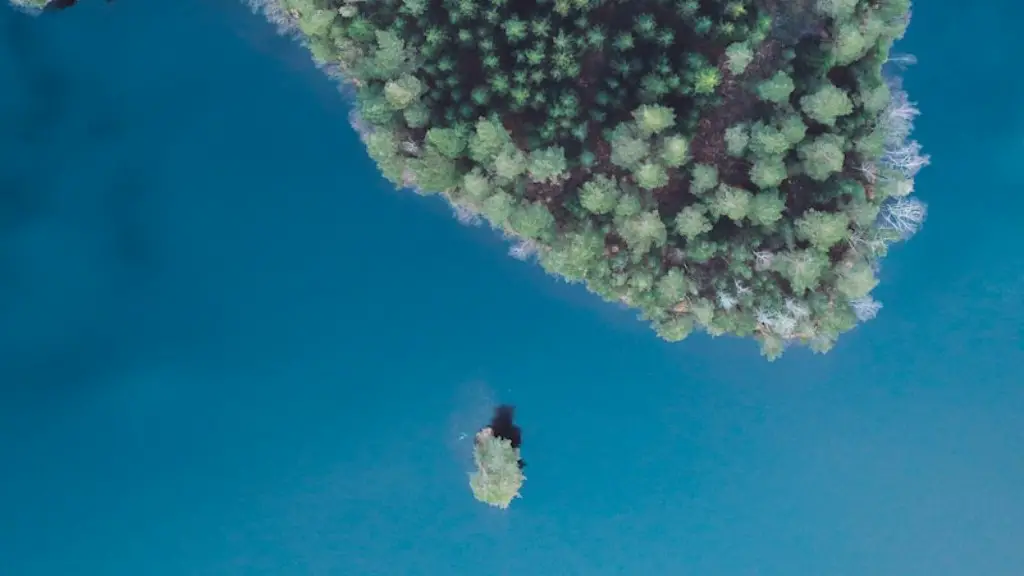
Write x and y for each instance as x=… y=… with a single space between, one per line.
x=228 y=348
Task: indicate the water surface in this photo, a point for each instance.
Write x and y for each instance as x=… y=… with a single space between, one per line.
x=228 y=348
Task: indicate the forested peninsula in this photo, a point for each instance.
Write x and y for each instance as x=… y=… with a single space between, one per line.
x=730 y=166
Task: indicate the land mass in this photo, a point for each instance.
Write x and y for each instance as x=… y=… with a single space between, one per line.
x=729 y=166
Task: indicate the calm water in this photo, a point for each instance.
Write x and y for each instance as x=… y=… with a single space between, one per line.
x=228 y=348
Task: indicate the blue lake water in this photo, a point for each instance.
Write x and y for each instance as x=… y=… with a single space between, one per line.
x=228 y=348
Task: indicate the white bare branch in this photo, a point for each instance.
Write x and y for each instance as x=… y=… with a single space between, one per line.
x=763 y=260
x=904 y=215
x=285 y=20
x=865 y=308
x=466 y=215
x=864 y=246
x=783 y=325
x=869 y=170
x=902 y=61
x=726 y=300
x=905 y=158
x=410 y=147
x=523 y=250
x=796 y=309
x=898 y=117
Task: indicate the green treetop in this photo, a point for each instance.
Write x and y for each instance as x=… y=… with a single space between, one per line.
x=498 y=476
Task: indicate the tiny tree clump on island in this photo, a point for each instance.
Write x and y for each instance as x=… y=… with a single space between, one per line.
x=37 y=6
x=733 y=166
x=499 y=467
x=30 y=6
x=498 y=477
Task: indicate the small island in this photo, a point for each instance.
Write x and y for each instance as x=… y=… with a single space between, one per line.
x=30 y=6
x=35 y=6
x=499 y=467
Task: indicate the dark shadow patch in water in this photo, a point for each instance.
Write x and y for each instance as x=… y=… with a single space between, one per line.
x=503 y=425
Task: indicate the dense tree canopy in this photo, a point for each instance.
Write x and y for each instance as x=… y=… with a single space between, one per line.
x=733 y=166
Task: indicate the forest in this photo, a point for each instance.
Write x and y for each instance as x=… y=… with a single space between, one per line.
x=734 y=167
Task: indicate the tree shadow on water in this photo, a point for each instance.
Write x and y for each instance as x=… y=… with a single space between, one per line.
x=56 y=5
x=503 y=425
